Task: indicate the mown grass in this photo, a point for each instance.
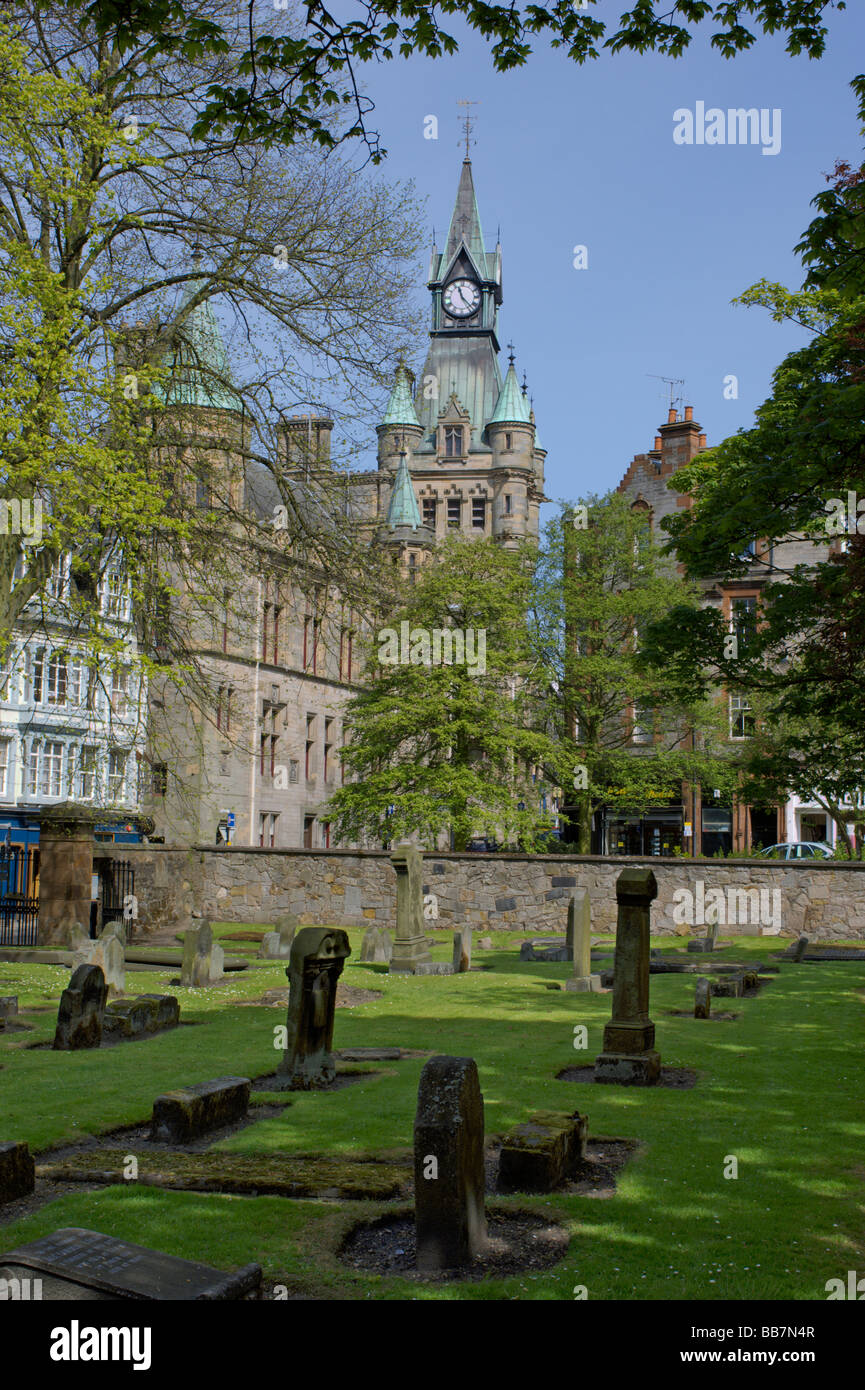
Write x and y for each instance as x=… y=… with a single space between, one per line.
x=780 y=1090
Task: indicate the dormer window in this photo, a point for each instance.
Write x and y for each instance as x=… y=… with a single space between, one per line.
x=453 y=441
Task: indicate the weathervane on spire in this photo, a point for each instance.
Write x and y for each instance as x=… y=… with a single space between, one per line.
x=467 y=123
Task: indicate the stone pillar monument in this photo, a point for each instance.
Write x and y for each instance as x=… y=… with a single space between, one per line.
x=629 y=1038
x=65 y=869
x=579 y=939
x=409 y=947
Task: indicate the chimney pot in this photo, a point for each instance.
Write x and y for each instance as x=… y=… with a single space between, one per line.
x=658 y=443
x=689 y=412
x=672 y=417
x=701 y=443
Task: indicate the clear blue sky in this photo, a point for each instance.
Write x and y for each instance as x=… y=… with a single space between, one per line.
x=567 y=155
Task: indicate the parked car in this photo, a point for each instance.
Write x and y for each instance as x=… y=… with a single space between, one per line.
x=799 y=849
x=481 y=845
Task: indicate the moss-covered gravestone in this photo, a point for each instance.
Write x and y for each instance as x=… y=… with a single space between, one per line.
x=318 y=955
x=449 y=1164
x=108 y=951
x=629 y=1055
x=703 y=999
x=81 y=1010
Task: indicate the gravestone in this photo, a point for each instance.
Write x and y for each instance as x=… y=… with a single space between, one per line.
x=800 y=948
x=449 y=1164
x=462 y=950
x=541 y=1154
x=144 y=1014
x=86 y=1266
x=703 y=999
x=629 y=1055
x=318 y=955
x=8 y=1005
x=377 y=946
x=579 y=939
x=276 y=945
x=729 y=986
x=546 y=950
x=485 y=943
x=699 y=944
x=184 y=1114
x=410 y=944
x=109 y=953
x=202 y=961
x=81 y=1010
x=17 y=1172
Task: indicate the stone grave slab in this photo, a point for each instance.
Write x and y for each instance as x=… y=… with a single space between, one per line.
x=184 y=1114
x=541 y=1154
x=144 y=1014
x=78 y=1264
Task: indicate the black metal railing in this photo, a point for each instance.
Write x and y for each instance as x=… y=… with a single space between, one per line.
x=19 y=898
x=118 y=891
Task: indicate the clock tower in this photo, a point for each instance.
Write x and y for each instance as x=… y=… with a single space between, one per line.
x=469 y=433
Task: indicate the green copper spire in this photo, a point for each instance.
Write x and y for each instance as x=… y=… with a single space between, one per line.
x=200 y=373
x=400 y=407
x=466 y=221
x=403 y=509
x=511 y=407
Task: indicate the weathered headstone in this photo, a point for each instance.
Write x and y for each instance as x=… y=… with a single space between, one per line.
x=377 y=946
x=190 y=1111
x=728 y=987
x=485 y=943
x=143 y=1014
x=8 y=1005
x=318 y=955
x=17 y=1172
x=800 y=948
x=276 y=945
x=202 y=961
x=77 y=1264
x=81 y=1010
x=703 y=999
x=629 y=1055
x=698 y=945
x=541 y=1154
x=462 y=950
x=449 y=1164
x=109 y=953
x=410 y=944
x=579 y=940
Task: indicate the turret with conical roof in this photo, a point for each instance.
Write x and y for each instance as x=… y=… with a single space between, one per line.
x=400 y=427
x=202 y=416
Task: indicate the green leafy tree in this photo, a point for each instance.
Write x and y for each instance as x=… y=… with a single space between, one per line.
x=452 y=745
x=823 y=764
x=119 y=233
x=298 y=64
x=794 y=482
x=625 y=735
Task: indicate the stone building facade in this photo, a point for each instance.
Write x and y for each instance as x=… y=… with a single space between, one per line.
x=704 y=823
x=281 y=658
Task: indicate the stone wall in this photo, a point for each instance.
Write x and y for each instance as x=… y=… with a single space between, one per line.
x=516 y=892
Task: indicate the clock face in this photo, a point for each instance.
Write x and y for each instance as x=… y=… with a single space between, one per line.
x=461 y=298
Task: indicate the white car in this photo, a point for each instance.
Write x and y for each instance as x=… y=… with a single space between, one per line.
x=799 y=849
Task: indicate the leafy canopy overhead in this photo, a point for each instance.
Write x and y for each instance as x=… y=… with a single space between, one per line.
x=297 y=63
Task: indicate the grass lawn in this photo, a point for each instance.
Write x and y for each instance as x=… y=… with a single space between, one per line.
x=780 y=1089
